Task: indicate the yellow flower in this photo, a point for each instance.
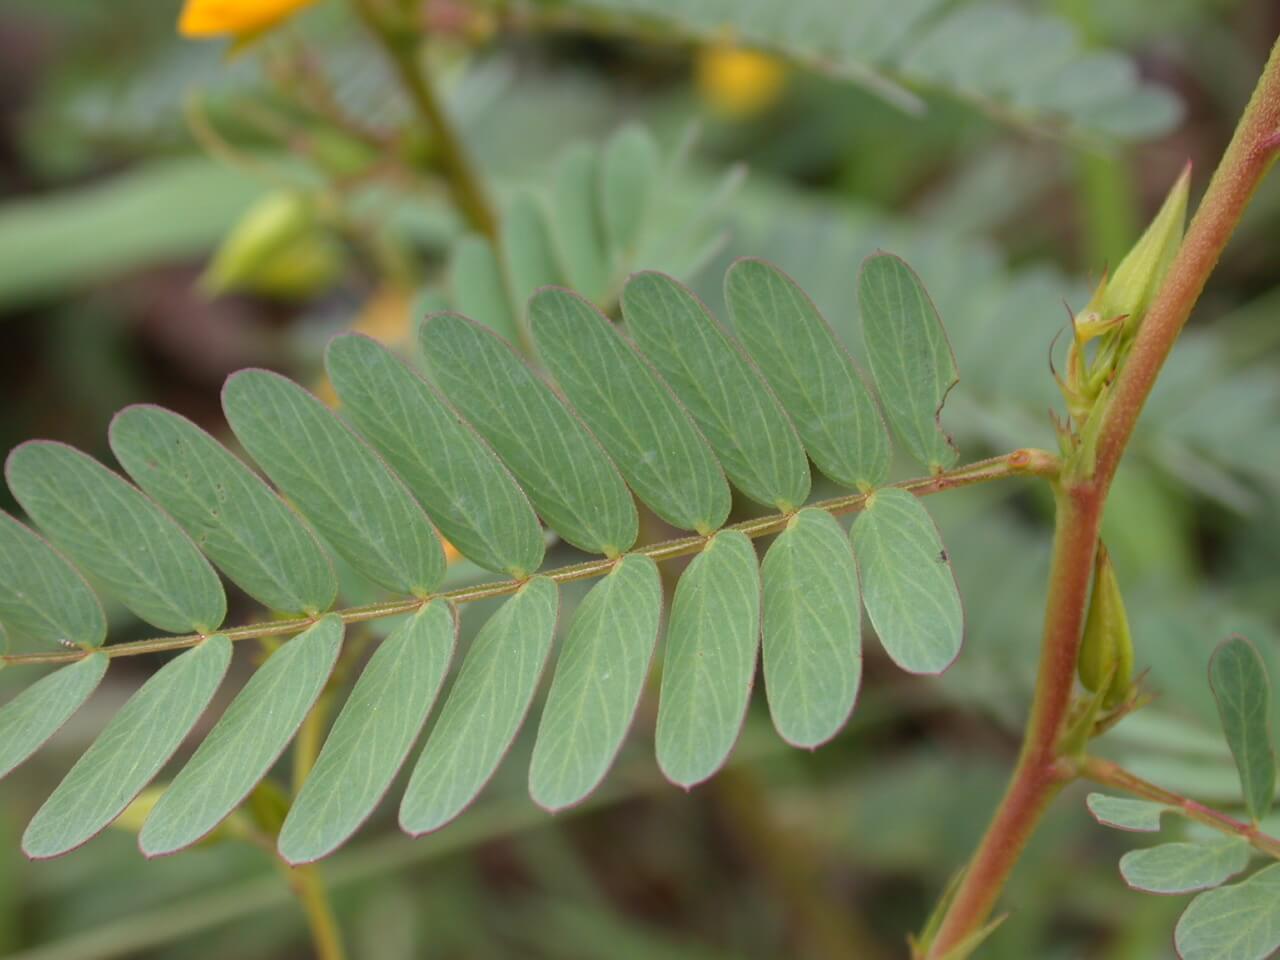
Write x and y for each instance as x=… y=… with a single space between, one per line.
x=242 y=19
x=739 y=82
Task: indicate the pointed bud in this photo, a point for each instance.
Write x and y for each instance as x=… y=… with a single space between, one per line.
x=1129 y=290
x=278 y=248
x=1106 y=650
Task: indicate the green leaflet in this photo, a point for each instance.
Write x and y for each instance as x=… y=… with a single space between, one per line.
x=1184 y=867
x=41 y=595
x=810 y=371
x=459 y=481
x=1123 y=813
x=246 y=741
x=244 y=528
x=910 y=356
x=38 y=712
x=630 y=411
x=599 y=675
x=131 y=749
x=372 y=736
x=578 y=231
x=712 y=640
x=629 y=167
x=478 y=288
x=1238 y=676
x=359 y=506
x=907 y=584
x=812 y=629
x=484 y=710
x=527 y=248
x=1240 y=922
x=119 y=536
x=563 y=469
x=723 y=391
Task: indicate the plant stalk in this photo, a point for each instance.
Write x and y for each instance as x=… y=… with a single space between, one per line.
x=400 y=43
x=1081 y=495
x=308 y=887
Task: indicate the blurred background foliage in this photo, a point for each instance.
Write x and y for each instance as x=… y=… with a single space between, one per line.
x=128 y=155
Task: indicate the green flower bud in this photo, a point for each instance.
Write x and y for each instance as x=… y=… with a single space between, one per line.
x=1125 y=295
x=278 y=248
x=1106 y=650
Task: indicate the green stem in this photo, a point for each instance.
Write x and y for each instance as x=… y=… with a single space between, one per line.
x=400 y=42
x=1110 y=774
x=1081 y=494
x=311 y=894
x=1019 y=463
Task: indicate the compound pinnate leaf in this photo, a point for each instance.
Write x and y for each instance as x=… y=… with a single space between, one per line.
x=1240 y=686
x=478 y=288
x=1124 y=813
x=232 y=515
x=566 y=474
x=129 y=751
x=1239 y=922
x=628 y=168
x=38 y=712
x=577 y=225
x=712 y=640
x=43 y=596
x=457 y=478
x=722 y=390
x=907 y=584
x=371 y=737
x=1184 y=867
x=631 y=412
x=245 y=742
x=812 y=629
x=119 y=536
x=484 y=709
x=810 y=371
x=359 y=506
x=599 y=676
x=910 y=356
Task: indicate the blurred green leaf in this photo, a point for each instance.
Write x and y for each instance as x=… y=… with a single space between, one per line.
x=1240 y=922
x=1184 y=867
x=1243 y=693
x=1123 y=813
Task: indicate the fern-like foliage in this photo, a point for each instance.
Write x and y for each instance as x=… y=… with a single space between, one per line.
x=670 y=408
x=1027 y=68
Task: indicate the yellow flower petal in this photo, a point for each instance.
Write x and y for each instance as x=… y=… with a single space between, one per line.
x=739 y=82
x=215 y=18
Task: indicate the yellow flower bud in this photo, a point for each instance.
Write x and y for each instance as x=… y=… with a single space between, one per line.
x=1107 y=646
x=739 y=82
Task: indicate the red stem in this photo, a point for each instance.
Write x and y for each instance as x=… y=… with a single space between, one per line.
x=1082 y=492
